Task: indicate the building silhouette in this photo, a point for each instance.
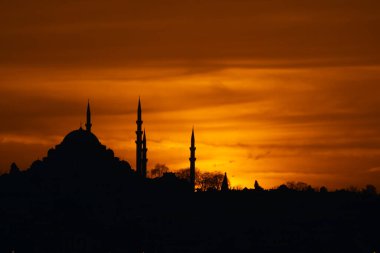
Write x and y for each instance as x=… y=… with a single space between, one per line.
x=144 y=160
x=192 y=161
x=139 y=141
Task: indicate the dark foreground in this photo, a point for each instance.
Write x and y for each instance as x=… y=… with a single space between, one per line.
x=245 y=221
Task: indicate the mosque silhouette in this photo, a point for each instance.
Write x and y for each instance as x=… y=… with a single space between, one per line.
x=80 y=198
x=82 y=152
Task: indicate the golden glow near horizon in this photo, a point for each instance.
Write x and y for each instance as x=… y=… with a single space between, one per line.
x=253 y=124
x=275 y=92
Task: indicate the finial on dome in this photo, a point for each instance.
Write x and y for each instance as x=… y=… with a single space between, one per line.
x=88 y=124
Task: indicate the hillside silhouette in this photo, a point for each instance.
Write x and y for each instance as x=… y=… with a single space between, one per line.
x=81 y=198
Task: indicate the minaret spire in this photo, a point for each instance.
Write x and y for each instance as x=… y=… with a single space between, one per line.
x=139 y=141
x=88 y=123
x=139 y=111
x=144 y=157
x=192 y=161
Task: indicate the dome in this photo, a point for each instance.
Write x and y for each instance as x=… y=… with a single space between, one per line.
x=80 y=137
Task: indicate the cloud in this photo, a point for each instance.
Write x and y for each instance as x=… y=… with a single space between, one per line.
x=192 y=34
x=262 y=155
x=374 y=170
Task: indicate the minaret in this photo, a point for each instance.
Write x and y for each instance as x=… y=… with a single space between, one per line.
x=88 y=123
x=144 y=160
x=139 y=133
x=224 y=187
x=192 y=161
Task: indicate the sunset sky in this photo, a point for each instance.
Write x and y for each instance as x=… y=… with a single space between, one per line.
x=277 y=90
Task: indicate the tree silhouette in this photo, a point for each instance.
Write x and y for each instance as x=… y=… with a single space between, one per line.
x=370 y=190
x=210 y=181
x=159 y=170
x=204 y=181
x=352 y=188
x=185 y=174
x=323 y=189
x=299 y=186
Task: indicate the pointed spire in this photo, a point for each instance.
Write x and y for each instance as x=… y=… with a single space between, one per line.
x=88 y=124
x=192 y=161
x=139 y=141
x=224 y=186
x=192 y=138
x=139 y=111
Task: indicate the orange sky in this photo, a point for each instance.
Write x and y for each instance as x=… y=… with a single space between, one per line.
x=277 y=92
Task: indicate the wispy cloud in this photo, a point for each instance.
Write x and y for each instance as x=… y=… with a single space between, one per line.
x=192 y=34
x=374 y=170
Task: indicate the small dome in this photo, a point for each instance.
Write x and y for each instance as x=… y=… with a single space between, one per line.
x=80 y=137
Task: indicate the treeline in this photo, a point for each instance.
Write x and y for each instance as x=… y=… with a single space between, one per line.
x=304 y=187
x=204 y=181
x=212 y=181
